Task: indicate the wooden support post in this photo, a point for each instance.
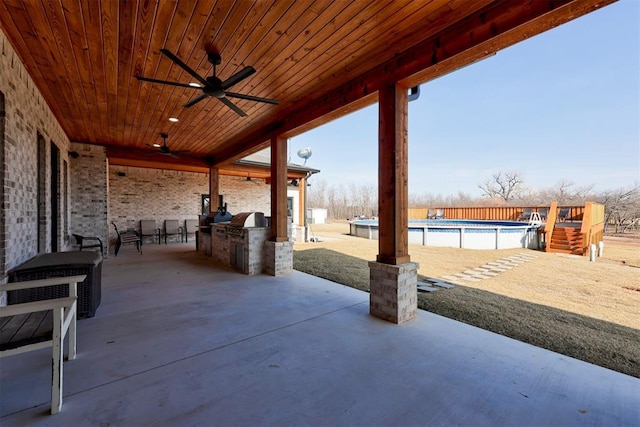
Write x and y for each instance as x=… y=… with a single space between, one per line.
x=393 y=243
x=302 y=203
x=279 y=190
x=214 y=188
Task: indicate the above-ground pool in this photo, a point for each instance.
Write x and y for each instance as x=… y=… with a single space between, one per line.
x=460 y=233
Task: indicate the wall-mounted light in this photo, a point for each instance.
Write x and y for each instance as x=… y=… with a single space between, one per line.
x=294 y=182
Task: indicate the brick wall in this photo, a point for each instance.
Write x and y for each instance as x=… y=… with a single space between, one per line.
x=89 y=192
x=140 y=193
x=26 y=115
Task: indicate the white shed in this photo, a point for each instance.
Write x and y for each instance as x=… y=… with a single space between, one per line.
x=317 y=216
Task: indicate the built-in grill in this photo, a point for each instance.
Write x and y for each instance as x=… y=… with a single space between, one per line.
x=239 y=222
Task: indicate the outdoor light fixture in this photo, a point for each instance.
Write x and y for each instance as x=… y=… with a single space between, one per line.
x=74 y=154
x=173 y=119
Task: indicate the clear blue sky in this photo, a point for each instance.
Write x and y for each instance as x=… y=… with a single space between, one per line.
x=564 y=105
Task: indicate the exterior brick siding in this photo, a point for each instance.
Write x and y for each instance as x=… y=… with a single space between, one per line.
x=26 y=115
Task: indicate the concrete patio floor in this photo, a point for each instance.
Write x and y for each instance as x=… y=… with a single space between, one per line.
x=179 y=340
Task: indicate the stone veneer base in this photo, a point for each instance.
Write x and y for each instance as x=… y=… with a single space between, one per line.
x=278 y=258
x=393 y=291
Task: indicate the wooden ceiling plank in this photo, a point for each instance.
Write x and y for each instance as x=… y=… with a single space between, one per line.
x=77 y=40
x=345 y=51
x=31 y=38
x=92 y=22
x=180 y=95
x=232 y=20
x=162 y=17
x=145 y=19
x=109 y=28
x=269 y=14
x=194 y=45
x=50 y=24
x=8 y=14
x=166 y=70
x=289 y=25
x=523 y=19
x=128 y=21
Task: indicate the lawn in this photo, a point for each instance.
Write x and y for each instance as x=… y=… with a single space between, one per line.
x=586 y=310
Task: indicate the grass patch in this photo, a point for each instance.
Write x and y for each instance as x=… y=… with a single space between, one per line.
x=565 y=304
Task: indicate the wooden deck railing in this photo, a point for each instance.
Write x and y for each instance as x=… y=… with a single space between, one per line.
x=592 y=229
x=503 y=213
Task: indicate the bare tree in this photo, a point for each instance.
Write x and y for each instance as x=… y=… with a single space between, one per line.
x=502 y=185
x=622 y=208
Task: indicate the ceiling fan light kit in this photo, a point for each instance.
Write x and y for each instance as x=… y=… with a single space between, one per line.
x=212 y=86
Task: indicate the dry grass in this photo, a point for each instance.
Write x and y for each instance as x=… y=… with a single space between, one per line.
x=585 y=310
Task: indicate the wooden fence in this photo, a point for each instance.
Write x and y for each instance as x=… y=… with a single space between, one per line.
x=501 y=213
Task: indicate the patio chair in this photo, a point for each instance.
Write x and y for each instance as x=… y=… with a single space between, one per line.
x=190 y=227
x=148 y=228
x=439 y=214
x=564 y=214
x=87 y=242
x=544 y=213
x=172 y=228
x=128 y=237
x=431 y=213
x=525 y=215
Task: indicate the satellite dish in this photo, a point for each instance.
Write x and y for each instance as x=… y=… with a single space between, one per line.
x=304 y=153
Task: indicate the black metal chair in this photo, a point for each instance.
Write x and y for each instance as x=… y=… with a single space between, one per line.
x=87 y=242
x=127 y=237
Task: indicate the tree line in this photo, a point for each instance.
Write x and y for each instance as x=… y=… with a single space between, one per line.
x=506 y=188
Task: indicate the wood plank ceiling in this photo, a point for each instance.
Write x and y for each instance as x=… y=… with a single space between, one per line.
x=319 y=59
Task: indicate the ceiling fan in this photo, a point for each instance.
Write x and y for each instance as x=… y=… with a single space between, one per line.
x=212 y=86
x=164 y=148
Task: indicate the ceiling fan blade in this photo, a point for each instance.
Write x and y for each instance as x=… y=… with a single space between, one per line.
x=233 y=106
x=146 y=79
x=196 y=100
x=184 y=66
x=240 y=75
x=252 y=98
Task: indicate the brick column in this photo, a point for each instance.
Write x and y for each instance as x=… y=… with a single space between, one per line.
x=393 y=278
x=393 y=291
x=278 y=258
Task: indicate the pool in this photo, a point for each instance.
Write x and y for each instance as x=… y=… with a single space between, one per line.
x=460 y=233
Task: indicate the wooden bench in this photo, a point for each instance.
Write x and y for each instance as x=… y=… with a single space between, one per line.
x=39 y=324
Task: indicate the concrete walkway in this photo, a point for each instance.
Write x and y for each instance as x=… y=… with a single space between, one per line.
x=179 y=341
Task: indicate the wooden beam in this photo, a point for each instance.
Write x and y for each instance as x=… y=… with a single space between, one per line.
x=279 y=190
x=214 y=189
x=482 y=34
x=393 y=176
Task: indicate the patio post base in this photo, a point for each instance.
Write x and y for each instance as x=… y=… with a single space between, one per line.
x=393 y=291
x=278 y=258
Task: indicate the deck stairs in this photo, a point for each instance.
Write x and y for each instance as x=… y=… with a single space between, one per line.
x=567 y=240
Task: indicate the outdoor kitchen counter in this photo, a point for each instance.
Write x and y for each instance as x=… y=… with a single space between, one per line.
x=240 y=248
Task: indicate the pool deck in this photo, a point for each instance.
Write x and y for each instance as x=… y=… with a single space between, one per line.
x=179 y=340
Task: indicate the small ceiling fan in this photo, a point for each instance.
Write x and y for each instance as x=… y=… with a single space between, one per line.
x=212 y=86
x=164 y=148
